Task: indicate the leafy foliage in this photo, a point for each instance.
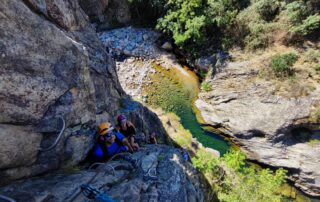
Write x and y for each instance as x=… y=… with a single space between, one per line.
x=268 y=9
x=308 y=26
x=241 y=182
x=204 y=162
x=198 y=25
x=234 y=159
x=282 y=64
x=296 y=12
x=206 y=86
x=184 y=20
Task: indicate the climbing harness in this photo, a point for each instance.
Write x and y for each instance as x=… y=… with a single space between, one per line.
x=58 y=138
x=7 y=198
x=92 y=193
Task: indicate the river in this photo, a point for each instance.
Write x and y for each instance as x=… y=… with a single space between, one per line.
x=175 y=90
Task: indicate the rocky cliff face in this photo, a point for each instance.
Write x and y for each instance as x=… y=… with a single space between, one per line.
x=271 y=128
x=53 y=65
x=107 y=14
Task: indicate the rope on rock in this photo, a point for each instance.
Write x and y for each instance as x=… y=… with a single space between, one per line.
x=127 y=156
x=7 y=198
x=58 y=138
x=148 y=175
x=119 y=154
x=105 y=166
x=76 y=193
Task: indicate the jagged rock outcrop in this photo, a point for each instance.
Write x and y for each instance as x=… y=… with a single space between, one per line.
x=53 y=65
x=161 y=174
x=107 y=14
x=271 y=128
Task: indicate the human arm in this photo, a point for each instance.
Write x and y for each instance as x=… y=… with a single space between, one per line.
x=124 y=141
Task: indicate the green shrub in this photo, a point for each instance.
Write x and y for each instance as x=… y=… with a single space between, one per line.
x=296 y=12
x=317 y=68
x=194 y=23
x=185 y=20
x=240 y=181
x=257 y=37
x=234 y=159
x=268 y=9
x=281 y=64
x=308 y=26
x=204 y=162
x=206 y=86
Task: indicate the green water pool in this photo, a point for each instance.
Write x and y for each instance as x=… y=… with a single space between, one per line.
x=175 y=91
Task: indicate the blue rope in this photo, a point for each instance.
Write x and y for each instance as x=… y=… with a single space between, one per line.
x=104 y=198
x=92 y=193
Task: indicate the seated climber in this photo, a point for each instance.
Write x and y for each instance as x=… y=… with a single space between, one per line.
x=109 y=142
x=152 y=138
x=128 y=130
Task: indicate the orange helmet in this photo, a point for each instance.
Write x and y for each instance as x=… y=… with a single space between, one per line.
x=104 y=128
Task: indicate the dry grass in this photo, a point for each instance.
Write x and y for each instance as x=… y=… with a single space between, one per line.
x=306 y=71
x=315 y=115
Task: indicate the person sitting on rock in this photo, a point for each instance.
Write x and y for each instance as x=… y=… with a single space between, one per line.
x=109 y=142
x=128 y=130
x=153 y=139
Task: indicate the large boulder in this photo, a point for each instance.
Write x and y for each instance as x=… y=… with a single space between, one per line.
x=19 y=146
x=271 y=128
x=53 y=67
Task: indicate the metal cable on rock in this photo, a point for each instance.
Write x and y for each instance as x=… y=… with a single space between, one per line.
x=7 y=198
x=58 y=138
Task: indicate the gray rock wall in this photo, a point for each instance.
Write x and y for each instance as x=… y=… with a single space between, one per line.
x=53 y=65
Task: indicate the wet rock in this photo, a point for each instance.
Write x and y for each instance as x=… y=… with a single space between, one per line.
x=167 y=46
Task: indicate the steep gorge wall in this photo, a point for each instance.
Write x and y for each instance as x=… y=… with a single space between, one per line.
x=53 y=65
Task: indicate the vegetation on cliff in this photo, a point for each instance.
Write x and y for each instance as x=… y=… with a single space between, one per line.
x=230 y=177
x=198 y=25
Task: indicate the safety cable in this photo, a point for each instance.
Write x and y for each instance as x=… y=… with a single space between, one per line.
x=58 y=138
x=7 y=198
